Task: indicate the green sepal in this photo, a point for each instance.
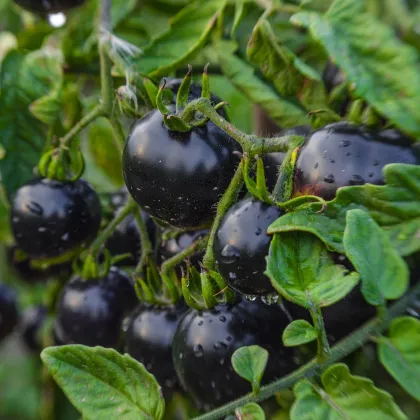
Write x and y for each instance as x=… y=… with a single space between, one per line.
x=184 y=91
x=207 y=289
x=354 y=114
x=205 y=86
x=321 y=117
x=284 y=186
x=224 y=294
x=120 y=257
x=191 y=288
x=174 y=123
x=151 y=91
x=257 y=188
x=160 y=104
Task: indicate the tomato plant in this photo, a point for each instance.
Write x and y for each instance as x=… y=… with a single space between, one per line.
x=209 y=209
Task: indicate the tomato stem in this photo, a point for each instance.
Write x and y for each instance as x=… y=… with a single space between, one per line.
x=357 y=339
x=323 y=346
x=225 y=203
x=146 y=244
x=104 y=109
x=96 y=246
x=250 y=143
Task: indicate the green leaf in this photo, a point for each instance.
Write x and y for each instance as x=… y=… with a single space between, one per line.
x=302 y=270
x=380 y=66
x=394 y=206
x=104 y=151
x=102 y=383
x=188 y=32
x=344 y=397
x=384 y=273
x=249 y=363
x=276 y=62
x=25 y=79
x=285 y=113
x=400 y=353
x=250 y=411
x=299 y=332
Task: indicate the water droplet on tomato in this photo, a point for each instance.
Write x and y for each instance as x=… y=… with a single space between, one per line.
x=198 y=350
x=250 y=298
x=270 y=299
x=356 y=180
x=329 y=179
x=258 y=231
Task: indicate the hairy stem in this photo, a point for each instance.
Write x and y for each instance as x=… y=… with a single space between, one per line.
x=119 y=135
x=104 y=109
x=250 y=143
x=146 y=244
x=185 y=253
x=225 y=203
x=338 y=352
x=323 y=345
x=96 y=246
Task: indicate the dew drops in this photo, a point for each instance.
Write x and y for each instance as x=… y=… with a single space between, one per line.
x=198 y=350
x=356 y=180
x=344 y=143
x=222 y=318
x=258 y=231
x=232 y=276
x=329 y=179
x=316 y=165
x=213 y=384
x=250 y=298
x=15 y=219
x=270 y=299
x=35 y=208
x=375 y=163
x=42 y=229
x=200 y=322
x=230 y=253
x=65 y=237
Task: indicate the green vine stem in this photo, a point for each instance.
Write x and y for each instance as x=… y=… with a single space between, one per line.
x=250 y=143
x=346 y=346
x=146 y=244
x=323 y=346
x=172 y=262
x=97 y=244
x=104 y=108
x=225 y=203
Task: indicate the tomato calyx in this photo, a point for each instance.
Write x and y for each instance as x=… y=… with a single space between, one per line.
x=182 y=120
x=62 y=164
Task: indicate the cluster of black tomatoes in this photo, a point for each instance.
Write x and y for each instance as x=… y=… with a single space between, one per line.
x=178 y=179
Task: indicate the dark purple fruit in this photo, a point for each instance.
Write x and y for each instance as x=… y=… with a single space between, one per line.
x=50 y=218
x=149 y=336
x=48 y=6
x=91 y=312
x=343 y=154
x=241 y=246
x=9 y=315
x=205 y=341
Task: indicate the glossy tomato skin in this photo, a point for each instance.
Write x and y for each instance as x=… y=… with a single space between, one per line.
x=241 y=246
x=30 y=327
x=91 y=312
x=126 y=239
x=49 y=6
x=171 y=247
x=272 y=161
x=50 y=218
x=205 y=341
x=343 y=154
x=178 y=177
x=149 y=337
x=9 y=315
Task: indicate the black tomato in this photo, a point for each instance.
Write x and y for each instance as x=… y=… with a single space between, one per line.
x=91 y=312
x=272 y=161
x=171 y=247
x=30 y=327
x=48 y=6
x=126 y=239
x=343 y=154
x=50 y=218
x=178 y=177
x=9 y=315
x=205 y=341
x=148 y=339
x=241 y=245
